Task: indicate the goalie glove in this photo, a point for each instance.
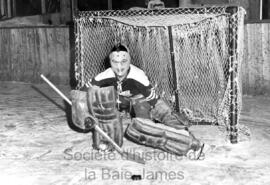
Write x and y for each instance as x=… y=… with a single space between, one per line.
x=81 y=117
x=102 y=104
x=163 y=113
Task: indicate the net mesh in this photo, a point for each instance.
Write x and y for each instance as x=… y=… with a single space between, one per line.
x=192 y=55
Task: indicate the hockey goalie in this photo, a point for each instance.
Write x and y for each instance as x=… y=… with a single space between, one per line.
x=125 y=87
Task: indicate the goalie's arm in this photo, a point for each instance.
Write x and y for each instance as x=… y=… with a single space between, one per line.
x=148 y=91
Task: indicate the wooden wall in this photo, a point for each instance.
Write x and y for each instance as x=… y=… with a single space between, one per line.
x=256 y=65
x=26 y=52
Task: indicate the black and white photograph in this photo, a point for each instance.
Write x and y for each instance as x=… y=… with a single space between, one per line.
x=140 y=92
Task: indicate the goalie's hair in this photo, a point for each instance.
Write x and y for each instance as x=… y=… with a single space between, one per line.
x=120 y=47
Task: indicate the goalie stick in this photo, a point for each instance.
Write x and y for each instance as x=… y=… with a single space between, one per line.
x=126 y=155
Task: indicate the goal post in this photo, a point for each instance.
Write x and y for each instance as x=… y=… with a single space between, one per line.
x=234 y=70
x=192 y=55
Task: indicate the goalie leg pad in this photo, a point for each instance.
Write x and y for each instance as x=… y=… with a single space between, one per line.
x=102 y=104
x=146 y=132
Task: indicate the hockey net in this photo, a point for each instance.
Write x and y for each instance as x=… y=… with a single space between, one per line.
x=192 y=55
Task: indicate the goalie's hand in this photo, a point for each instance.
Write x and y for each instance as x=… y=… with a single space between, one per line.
x=90 y=122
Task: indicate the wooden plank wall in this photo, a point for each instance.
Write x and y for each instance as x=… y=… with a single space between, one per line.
x=256 y=64
x=26 y=52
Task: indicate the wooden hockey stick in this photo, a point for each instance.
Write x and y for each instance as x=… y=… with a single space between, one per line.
x=127 y=155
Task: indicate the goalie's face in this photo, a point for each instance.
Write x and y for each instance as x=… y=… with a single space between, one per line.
x=120 y=63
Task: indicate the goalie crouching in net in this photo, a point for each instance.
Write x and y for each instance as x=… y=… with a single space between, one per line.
x=153 y=122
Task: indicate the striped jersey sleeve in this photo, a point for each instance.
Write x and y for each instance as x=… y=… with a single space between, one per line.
x=143 y=84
